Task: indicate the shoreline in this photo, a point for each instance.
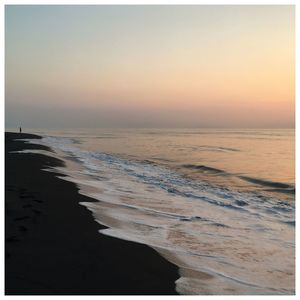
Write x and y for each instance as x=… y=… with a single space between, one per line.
x=52 y=244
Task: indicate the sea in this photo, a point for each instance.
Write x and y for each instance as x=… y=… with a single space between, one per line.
x=217 y=203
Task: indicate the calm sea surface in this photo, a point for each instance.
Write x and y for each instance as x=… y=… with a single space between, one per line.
x=220 y=204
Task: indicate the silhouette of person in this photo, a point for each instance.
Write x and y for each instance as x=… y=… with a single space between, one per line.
x=20 y=129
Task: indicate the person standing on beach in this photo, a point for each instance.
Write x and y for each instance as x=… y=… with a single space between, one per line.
x=20 y=129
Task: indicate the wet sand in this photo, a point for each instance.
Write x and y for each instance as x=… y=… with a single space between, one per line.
x=52 y=244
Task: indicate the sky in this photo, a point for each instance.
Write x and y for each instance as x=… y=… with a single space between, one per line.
x=149 y=66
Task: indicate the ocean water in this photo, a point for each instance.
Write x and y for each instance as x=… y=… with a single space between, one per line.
x=220 y=204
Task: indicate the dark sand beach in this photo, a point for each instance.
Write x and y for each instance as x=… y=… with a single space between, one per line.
x=52 y=244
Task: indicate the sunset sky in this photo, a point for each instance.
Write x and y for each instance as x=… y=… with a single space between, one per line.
x=149 y=66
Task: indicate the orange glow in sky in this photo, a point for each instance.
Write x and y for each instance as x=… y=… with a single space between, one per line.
x=199 y=66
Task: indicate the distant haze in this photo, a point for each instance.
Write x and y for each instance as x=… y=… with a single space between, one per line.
x=149 y=66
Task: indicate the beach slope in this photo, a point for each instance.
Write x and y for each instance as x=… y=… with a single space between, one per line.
x=52 y=244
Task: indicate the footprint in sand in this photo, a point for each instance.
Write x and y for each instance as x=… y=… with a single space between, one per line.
x=22 y=228
x=11 y=239
x=27 y=206
x=22 y=218
x=39 y=201
x=26 y=197
x=11 y=188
